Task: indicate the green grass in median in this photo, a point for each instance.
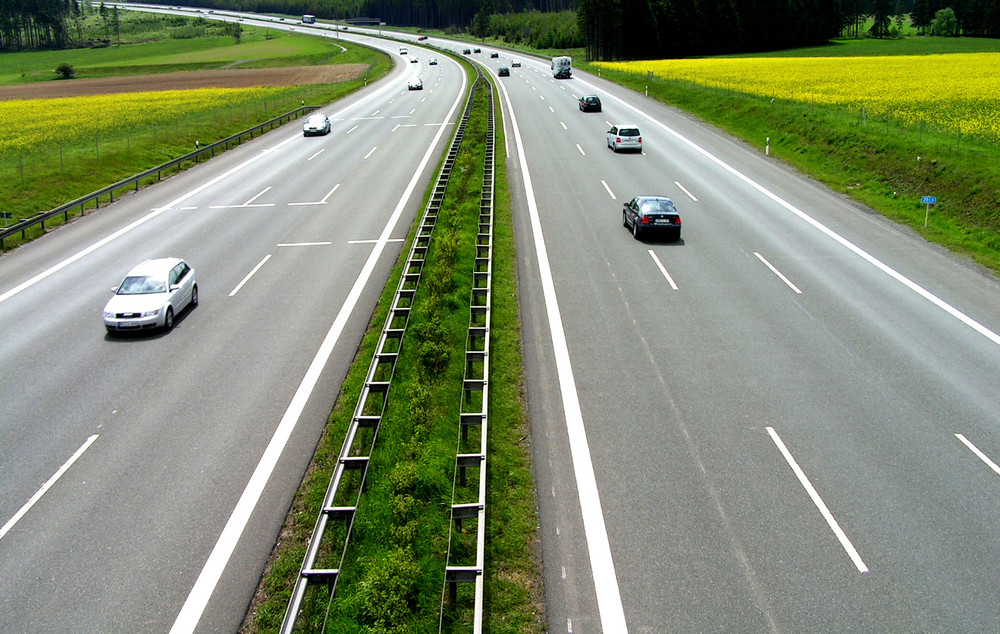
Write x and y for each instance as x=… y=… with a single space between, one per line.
x=393 y=579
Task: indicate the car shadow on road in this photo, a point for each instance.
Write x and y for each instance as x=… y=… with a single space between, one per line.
x=150 y=333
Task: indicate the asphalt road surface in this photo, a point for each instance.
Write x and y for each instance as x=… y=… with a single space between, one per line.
x=143 y=479
x=786 y=421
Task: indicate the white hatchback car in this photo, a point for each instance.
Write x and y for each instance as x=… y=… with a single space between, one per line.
x=624 y=137
x=151 y=296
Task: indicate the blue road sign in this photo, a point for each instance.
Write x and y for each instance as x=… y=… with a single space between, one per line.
x=929 y=200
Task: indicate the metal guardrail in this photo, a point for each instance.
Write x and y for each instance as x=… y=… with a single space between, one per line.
x=351 y=471
x=22 y=226
x=474 y=408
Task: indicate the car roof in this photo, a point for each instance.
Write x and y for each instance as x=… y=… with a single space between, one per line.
x=158 y=266
x=646 y=198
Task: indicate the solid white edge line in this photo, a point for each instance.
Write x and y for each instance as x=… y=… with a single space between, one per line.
x=608 y=188
x=45 y=487
x=684 y=189
x=250 y=274
x=885 y=268
x=609 y=600
x=979 y=454
x=190 y=614
x=778 y=273
x=663 y=269
x=818 y=501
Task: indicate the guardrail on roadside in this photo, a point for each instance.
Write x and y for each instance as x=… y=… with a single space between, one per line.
x=328 y=545
x=465 y=564
x=22 y=226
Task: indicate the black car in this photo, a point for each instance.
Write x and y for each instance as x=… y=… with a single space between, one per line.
x=494 y=55
x=590 y=103
x=503 y=71
x=646 y=214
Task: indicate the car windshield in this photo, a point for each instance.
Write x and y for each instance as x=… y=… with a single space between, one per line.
x=591 y=99
x=657 y=206
x=142 y=285
x=629 y=131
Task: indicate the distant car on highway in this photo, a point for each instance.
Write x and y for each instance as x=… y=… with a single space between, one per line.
x=415 y=85
x=624 y=137
x=421 y=38
x=316 y=124
x=413 y=60
x=433 y=62
x=590 y=103
x=477 y=50
x=466 y=51
x=503 y=71
x=515 y=64
x=646 y=214
x=494 y=55
x=152 y=294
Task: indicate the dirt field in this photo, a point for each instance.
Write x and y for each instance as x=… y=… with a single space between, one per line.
x=236 y=78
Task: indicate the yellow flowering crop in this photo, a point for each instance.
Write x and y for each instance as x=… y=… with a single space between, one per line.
x=955 y=92
x=30 y=123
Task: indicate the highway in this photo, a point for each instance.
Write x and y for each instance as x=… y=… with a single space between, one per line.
x=786 y=421
x=143 y=475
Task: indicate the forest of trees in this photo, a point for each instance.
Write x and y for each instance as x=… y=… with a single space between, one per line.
x=609 y=29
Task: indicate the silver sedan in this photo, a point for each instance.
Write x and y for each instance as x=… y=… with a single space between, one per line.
x=151 y=296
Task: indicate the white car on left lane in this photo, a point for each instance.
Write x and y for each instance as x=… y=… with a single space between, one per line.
x=151 y=296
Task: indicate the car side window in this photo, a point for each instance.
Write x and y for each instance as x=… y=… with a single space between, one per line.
x=613 y=130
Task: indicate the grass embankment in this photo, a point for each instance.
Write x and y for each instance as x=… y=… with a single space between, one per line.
x=70 y=155
x=873 y=160
x=393 y=578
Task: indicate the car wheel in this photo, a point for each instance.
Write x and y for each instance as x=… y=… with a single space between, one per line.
x=635 y=229
x=194 y=296
x=614 y=148
x=624 y=220
x=168 y=319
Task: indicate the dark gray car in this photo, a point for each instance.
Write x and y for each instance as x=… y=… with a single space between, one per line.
x=649 y=214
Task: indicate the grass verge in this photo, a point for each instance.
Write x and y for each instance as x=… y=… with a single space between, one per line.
x=47 y=175
x=394 y=573
x=875 y=162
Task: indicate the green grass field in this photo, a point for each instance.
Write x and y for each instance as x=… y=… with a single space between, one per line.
x=871 y=160
x=43 y=175
x=255 y=50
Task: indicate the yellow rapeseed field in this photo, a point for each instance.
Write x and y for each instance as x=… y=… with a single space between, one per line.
x=954 y=92
x=34 y=123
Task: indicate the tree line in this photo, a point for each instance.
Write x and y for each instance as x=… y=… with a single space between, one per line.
x=40 y=24
x=608 y=29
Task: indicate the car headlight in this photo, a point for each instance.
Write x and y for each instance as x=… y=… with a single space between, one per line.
x=109 y=315
x=151 y=313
